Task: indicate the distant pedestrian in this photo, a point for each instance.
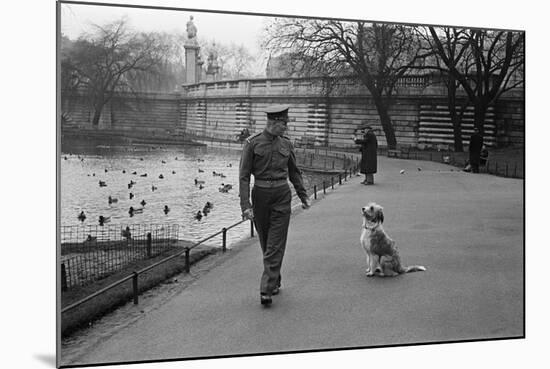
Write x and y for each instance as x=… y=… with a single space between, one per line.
x=476 y=144
x=483 y=156
x=243 y=135
x=369 y=148
x=269 y=157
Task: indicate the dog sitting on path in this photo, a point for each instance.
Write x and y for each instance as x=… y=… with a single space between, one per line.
x=381 y=253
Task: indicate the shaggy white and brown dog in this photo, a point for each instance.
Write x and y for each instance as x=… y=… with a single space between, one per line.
x=382 y=256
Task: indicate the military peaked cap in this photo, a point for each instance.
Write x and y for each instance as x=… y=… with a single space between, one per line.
x=277 y=111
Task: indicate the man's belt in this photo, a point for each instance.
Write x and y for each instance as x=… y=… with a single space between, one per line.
x=267 y=183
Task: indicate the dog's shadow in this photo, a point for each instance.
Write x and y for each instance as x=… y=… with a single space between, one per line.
x=385 y=280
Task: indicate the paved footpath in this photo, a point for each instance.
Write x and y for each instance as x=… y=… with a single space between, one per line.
x=467 y=229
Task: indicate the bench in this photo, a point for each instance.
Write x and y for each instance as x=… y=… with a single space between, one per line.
x=402 y=152
x=393 y=153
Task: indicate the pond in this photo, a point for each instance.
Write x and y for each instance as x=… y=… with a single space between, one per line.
x=150 y=178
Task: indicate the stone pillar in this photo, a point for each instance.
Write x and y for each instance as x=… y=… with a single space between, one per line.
x=191 y=58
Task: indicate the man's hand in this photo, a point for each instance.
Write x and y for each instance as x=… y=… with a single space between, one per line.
x=306 y=204
x=248 y=214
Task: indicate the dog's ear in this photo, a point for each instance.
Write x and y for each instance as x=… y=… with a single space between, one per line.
x=380 y=215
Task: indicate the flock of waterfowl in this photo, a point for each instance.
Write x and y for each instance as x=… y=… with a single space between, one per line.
x=138 y=210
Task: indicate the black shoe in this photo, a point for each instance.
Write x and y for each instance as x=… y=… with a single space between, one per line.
x=265 y=300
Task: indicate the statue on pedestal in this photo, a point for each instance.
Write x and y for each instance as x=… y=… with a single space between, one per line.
x=191 y=31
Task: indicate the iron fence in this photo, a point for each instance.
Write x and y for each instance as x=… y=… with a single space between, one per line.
x=494 y=166
x=93 y=252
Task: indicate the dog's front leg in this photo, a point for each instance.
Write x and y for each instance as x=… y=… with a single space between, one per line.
x=368 y=263
x=373 y=262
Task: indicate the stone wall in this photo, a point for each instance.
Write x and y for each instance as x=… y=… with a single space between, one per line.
x=510 y=121
x=145 y=112
x=222 y=109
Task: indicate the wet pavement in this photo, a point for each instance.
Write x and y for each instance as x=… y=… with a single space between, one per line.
x=467 y=230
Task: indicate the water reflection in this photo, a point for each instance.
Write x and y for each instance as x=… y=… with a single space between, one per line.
x=162 y=184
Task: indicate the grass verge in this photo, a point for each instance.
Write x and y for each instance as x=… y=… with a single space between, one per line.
x=84 y=314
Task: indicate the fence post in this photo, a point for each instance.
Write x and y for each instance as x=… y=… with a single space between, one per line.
x=224 y=239
x=149 y=244
x=332 y=182
x=324 y=188
x=315 y=192
x=135 y=287
x=340 y=179
x=63 y=278
x=187 y=261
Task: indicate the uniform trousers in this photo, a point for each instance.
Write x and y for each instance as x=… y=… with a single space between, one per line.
x=271 y=208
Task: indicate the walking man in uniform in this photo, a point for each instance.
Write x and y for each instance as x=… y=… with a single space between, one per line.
x=270 y=158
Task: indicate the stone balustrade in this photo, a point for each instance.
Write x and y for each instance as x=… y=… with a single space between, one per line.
x=224 y=108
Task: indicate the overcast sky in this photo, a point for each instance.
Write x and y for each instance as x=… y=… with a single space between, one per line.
x=221 y=28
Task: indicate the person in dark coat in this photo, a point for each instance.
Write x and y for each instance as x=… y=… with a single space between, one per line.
x=476 y=144
x=369 y=148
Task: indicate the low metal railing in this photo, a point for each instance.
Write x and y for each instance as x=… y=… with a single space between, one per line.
x=497 y=167
x=90 y=253
x=134 y=276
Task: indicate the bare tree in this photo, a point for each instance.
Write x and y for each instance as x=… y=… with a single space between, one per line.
x=377 y=55
x=169 y=73
x=485 y=63
x=103 y=61
x=241 y=59
x=453 y=44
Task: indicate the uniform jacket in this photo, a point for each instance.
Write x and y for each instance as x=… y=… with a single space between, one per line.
x=369 y=148
x=268 y=157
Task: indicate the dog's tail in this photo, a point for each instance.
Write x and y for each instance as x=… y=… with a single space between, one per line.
x=414 y=268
